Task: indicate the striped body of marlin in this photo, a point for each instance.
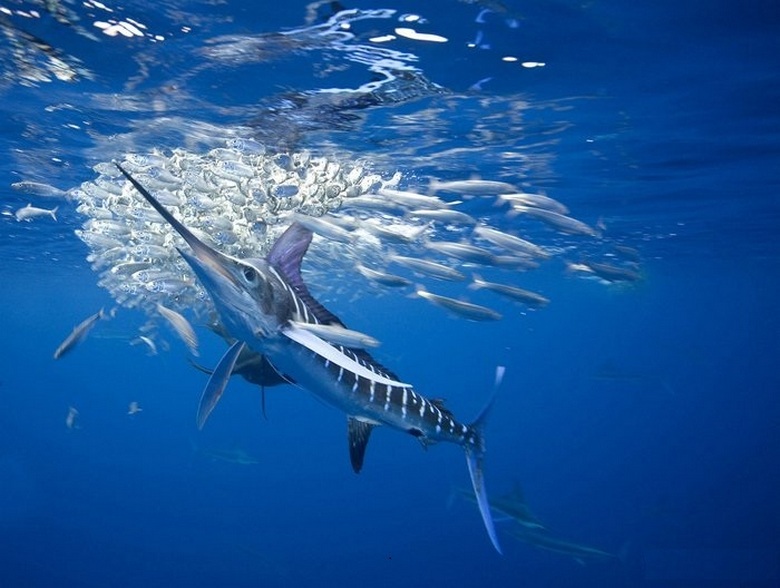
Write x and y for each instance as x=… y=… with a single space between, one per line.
x=260 y=300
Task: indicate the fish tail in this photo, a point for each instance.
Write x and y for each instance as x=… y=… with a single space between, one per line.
x=516 y=210
x=475 y=453
x=476 y=282
x=53 y=212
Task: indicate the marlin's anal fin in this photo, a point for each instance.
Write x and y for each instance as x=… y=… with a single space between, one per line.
x=217 y=382
x=358 y=432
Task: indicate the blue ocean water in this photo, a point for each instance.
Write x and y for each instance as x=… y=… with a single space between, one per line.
x=640 y=419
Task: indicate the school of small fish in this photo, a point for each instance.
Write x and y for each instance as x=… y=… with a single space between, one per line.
x=397 y=235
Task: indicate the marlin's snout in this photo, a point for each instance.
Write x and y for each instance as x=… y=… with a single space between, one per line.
x=203 y=258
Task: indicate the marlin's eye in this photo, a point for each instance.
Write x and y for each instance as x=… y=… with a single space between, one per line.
x=250 y=275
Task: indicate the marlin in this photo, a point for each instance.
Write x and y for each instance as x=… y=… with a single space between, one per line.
x=260 y=300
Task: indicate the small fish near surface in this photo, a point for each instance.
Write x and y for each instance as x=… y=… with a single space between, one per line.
x=535 y=200
x=382 y=278
x=182 y=327
x=462 y=251
x=259 y=300
x=39 y=189
x=512 y=292
x=461 y=308
x=29 y=212
x=510 y=242
x=472 y=187
x=605 y=272
x=78 y=334
x=560 y=222
x=429 y=268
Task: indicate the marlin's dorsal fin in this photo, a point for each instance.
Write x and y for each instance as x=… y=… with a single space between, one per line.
x=439 y=403
x=358 y=432
x=286 y=257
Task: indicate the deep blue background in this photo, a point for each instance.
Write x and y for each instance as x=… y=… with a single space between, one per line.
x=672 y=136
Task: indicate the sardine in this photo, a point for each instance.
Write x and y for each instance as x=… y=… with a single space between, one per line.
x=524 y=296
x=182 y=327
x=78 y=334
x=467 y=310
x=429 y=268
x=30 y=212
x=475 y=187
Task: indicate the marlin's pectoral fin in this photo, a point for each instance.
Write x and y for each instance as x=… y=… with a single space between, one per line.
x=358 y=432
x=217 y=382
x=336 y=356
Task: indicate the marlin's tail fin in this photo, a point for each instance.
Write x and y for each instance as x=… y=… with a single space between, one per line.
x=475 y=453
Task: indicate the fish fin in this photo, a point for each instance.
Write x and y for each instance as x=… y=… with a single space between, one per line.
x=440 y=404
x=314 y=343
x=53 y=212
x=475 y=453
x=358 y=432
x=286 y=257
x=200 y=368
x=474 y=458
x=217 y=382
x=476 y=282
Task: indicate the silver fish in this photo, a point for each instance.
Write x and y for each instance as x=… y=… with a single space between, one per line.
x=474 y=187
x=467 y=310
x=78 y=334
x=146 y=341
x=29 y=212
x=524 y=296
x=324 y=228
x=429 y=268
x=395 y=233
x=444 y=215
x=510 y=242
x=72 y=418
x=382 y=278
x=562 y=223
x=372 y=202
x=413 y=199
x=462 y=251
x=182 y=327
x=535 y=200
x=39 y=189
x=606 y=271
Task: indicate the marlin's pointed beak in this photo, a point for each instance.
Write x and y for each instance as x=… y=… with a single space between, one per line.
x=205 y=261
